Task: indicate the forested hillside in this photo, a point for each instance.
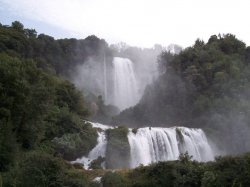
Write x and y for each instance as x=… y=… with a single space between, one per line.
x=41 y=114
x=206 y=86
x=58 y=56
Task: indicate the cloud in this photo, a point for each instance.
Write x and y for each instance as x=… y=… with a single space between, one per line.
x=139 y=22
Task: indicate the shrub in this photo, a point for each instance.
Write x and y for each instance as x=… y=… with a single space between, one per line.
x=39 y=169
x=75 y=145
x=113 y=179
x=97 y=163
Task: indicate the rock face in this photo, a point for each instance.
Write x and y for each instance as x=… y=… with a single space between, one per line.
x=118 y=148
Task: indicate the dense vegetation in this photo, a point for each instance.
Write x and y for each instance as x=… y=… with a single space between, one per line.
x=62 y=57
x=41 y=114
x=224 y=171
x=59 y=56
x=206 y=86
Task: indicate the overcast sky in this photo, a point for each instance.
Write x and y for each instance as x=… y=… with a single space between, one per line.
x=136 y=22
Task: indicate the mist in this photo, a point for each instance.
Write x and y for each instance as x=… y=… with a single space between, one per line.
x=96 y=76
x=90 y=77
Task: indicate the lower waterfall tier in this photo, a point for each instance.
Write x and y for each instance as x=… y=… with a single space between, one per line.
x=152 y=144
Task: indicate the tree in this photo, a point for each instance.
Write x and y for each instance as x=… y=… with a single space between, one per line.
x=199 y=43
x=17 y=26
x=30 y=33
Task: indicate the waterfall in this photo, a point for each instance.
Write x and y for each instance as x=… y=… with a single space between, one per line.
x=98 y=150
x=150 y=145
x=105 y=77
x=125 y=89
x=153 y=144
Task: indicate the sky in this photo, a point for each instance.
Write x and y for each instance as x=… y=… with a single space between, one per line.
x=140 y=23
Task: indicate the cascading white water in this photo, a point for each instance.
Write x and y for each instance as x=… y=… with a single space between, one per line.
x=125 y=90
x=98 y=150
x=153 y=144
x=158 y=144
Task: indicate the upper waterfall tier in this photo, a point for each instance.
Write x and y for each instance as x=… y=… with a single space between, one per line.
x=125 y=93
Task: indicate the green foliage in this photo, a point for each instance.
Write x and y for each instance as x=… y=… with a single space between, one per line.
x=8 y=147
x=185 y=158
x=31 y=100
x=208 y=179
x=97 y=163
x=75 y=178
x=74 y=145
x=232 y=171
x=35 y=107
x=224 y=171
x=1 y=180
x=69 y=96
x=61 y=121
x=17 y=26
x=113 y=179
x=60 y=56
x=40 y=169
